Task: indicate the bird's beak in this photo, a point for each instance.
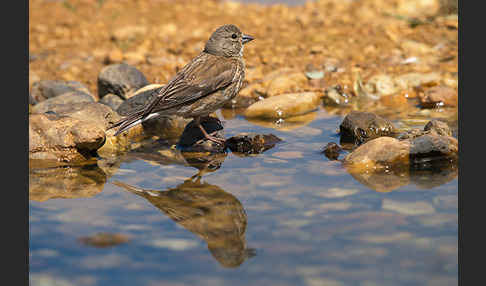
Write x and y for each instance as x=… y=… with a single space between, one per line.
x=247 y=38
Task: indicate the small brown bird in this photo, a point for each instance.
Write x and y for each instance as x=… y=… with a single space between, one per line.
x=202 y=86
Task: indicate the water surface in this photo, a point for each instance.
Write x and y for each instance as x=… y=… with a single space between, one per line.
x=288 y=216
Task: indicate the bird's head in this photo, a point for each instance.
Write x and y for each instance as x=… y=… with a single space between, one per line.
x=227 y=41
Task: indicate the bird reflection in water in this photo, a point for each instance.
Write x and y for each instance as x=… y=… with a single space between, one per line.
x=206 y=210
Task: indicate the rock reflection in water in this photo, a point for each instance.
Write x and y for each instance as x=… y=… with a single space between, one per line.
x=207 y=211
x=425 y=176
x=67 y=182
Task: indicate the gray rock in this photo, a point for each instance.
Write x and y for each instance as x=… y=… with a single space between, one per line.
x=359 y=127
x=120 y=79
x=439 y=127
x=138 y=100
x=101 y=115
x=45 y=89
x=111 y=100
x=71 y=97
x=432 y=147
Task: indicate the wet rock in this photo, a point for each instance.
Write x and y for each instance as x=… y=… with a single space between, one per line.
x=379 y=153
x=430 y=147
x=439 y=127
x=63 y=138
x=411 y=134
x=359 y=127
x=67 y=98
x=120 y=79
x=438 y=96
x=193 y=140
x=251 y=143
x=111 y=100
x=51 y=182
x=45 y=89
x=335 y=96
x=104 y=239
x=284 y=105
x=332 y=151
x=168 y=127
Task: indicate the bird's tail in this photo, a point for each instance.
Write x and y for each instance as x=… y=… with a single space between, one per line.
x=131 y=120
x=135 y=190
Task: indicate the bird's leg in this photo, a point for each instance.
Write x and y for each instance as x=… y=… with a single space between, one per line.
x=206 y=135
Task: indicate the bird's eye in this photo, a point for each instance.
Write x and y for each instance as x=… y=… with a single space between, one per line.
x=234 y=36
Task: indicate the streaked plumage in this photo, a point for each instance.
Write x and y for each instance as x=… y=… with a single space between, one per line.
x=201 y=87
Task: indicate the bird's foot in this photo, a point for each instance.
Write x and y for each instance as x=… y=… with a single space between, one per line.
x=216 y=140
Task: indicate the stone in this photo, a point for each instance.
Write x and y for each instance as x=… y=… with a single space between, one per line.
x=412 y=80
x=138 y=99
x=251 y=143
x=120 y=79
x=45 y=89
x=381 y=85
x=377 y=154
x=439 y=127
x=286 y=83
x=335 y=96
x=439 y=96
x=332 y=150
x=283 y=106
x=358 y=127
x=111 y=100
x=431 y=147
x=63 y=138
x=193 y=140
x=71 y=97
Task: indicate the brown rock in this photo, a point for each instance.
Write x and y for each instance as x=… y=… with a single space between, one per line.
x=379 y=153
x=284 y=105
x=63 y=139
x=358 y=127
x=439 y=127
x=439 y=96
x=286 y=83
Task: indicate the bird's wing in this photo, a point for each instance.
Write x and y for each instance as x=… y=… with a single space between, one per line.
x=202 y=76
